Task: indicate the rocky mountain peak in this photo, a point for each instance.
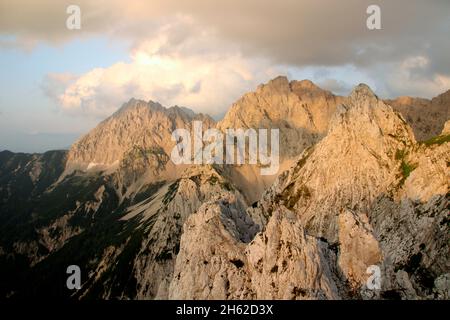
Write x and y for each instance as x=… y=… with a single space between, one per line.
x=278 y=84
x=443 y=98
x=307 y=87
x=300 y=109
x=365 y=115
x=363 y=100
x=134 y=105
x=362 y=92
x=137 y=125
x=306 y=84
x=281 y=84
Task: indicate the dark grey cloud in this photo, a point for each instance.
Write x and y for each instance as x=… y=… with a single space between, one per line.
x=295 y=33
x=305 y=32
x=318 y=32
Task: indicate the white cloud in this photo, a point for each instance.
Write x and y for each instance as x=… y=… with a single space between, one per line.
x=189 y=73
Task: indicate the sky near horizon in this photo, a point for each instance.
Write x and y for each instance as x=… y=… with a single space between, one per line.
x=57 y=84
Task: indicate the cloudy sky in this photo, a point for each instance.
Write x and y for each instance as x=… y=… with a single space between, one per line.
x=57 y=83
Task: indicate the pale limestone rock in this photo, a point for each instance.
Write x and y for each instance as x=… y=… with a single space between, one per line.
x=365 y=194
x=358 y=246
x=345 y=204
x=442 y=286
x=280 y=263
x=430 y=173
x=215 y=267
x=426 y=117
x=414 y=237
x=286 y=263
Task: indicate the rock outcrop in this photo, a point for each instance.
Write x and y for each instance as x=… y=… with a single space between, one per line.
x=300 y=109
x=426 y=117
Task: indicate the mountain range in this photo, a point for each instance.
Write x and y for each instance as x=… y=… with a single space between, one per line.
x=363 y=182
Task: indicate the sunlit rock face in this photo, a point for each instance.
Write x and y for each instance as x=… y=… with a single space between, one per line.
x=300 y=110
x=426 y=117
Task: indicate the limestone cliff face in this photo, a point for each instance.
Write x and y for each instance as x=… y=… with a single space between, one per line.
x=300 y=109
x=282 y=262
x=426 y=117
